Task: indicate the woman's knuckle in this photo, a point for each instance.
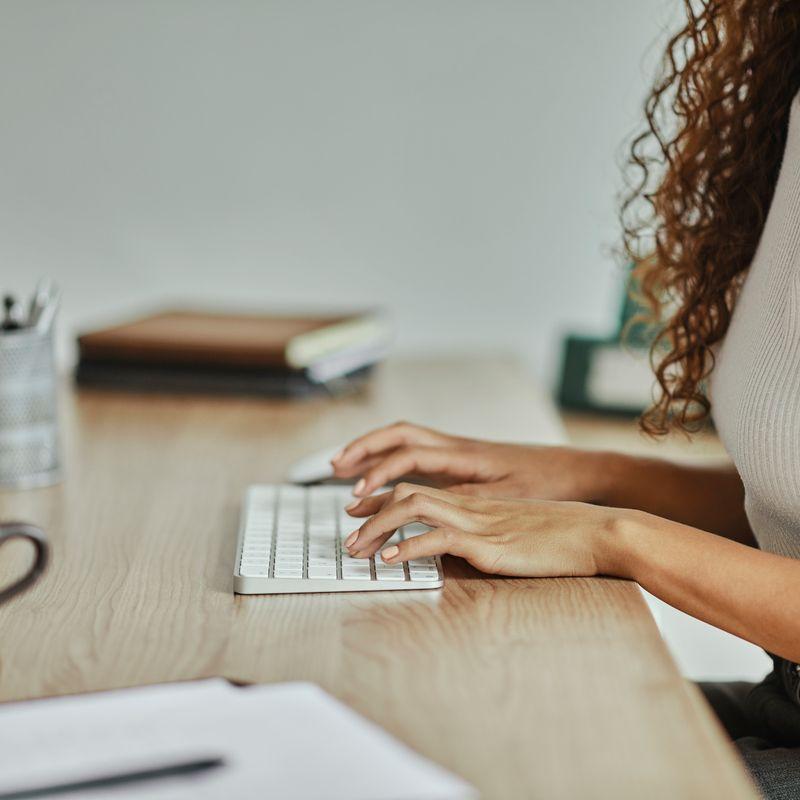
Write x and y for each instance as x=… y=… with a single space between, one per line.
x=418 y=501
x=410 y=500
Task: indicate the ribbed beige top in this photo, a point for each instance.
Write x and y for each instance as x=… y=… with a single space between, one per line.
x=756 y=382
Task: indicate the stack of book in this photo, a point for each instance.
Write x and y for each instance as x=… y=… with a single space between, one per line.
x=190 y=351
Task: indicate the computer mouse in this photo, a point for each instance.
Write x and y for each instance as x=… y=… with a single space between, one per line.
x=313 y=468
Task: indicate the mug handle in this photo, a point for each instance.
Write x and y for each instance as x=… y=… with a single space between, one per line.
x=24 y=530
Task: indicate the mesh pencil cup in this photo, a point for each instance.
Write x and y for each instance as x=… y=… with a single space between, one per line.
x=29 y=451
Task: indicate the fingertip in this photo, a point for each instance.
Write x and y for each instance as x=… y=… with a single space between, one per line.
x=350 y=455
x=359 y=514
x=351 y=539
x=358 y=489
x=338 y=456
x=390 y=553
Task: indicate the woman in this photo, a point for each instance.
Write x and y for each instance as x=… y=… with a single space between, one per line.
x=719 y=245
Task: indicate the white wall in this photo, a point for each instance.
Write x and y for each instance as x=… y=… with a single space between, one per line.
x=453 y=161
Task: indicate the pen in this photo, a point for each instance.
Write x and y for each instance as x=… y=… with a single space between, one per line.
x=39 y=300
x=172 y=770
x=48 y=312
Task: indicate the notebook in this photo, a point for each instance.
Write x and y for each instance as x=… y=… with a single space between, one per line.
x=206 y=351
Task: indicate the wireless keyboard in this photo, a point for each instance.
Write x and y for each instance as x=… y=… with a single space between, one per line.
x=290 y=540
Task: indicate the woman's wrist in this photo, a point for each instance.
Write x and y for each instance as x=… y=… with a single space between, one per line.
x=597 y=474
x=620 y=542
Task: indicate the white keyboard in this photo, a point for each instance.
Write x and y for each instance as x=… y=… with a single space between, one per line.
x=290 y=540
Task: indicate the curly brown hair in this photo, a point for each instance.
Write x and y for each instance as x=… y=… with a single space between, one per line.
x=705 y=170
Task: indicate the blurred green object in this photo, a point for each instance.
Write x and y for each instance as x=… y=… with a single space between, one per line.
x=610 y=375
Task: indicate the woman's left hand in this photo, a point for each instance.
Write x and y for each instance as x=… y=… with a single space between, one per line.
x=535 y=538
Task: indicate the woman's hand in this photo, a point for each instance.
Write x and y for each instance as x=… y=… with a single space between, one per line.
x=472 y=467
x=507 y=537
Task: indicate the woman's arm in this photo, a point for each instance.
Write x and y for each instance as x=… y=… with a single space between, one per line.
x=709 y=498
x=742 y=590
x=734 y=587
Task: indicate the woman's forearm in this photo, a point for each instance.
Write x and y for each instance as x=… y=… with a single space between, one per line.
x=710 y=498
x=740 y=589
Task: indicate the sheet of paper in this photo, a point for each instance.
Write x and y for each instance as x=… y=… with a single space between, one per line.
x=286 y=741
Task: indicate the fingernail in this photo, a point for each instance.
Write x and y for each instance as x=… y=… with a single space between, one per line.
x=390 y=552
x=359 y=487
x=352 y=505
x=337 y=456
x=350 y=540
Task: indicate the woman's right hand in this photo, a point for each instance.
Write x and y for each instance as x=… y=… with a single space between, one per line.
x=470 y=466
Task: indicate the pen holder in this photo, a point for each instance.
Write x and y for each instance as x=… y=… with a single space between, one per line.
x=29 y=452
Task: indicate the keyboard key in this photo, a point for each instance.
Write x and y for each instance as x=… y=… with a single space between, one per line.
x=423 y=575
x=390 y=576
x=362 y=566
x=351 y=575
x=292 y=530
x=290 y=562
x=321 y=572
x=284 y=547
x=296 y=574
x=255 y=562
x=259 y=531
x=254 y=572
x=314 y=540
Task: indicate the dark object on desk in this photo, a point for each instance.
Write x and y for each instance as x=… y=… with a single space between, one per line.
x=179 y=769
x=11 y=316
x=186 y=379
x=23 y=530
x=186 y=351
x=610 y=375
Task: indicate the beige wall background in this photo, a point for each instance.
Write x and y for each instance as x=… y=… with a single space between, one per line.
x=452 y=161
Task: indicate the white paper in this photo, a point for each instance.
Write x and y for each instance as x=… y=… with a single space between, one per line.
x=287 y=741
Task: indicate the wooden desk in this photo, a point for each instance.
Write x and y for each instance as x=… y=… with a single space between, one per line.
x=596 y=432
x=527 y=688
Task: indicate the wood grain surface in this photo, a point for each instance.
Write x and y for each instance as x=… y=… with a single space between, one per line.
x=597 y=432
x=527 y=688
